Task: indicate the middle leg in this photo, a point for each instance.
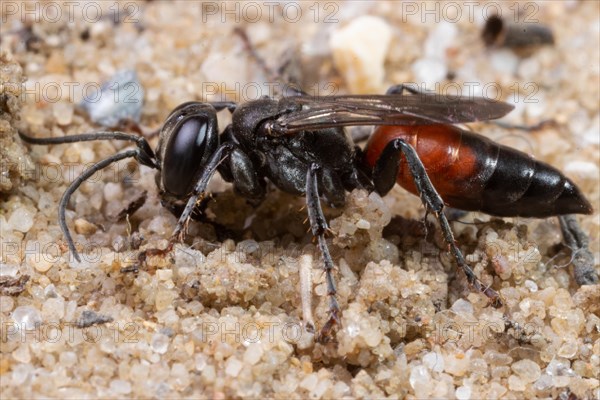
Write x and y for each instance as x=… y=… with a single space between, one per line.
x=318 y=225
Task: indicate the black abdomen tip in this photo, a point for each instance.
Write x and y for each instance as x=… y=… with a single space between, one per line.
x=571 y=201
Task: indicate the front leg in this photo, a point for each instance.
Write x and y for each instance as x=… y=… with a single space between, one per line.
x=193 y=203
x=318 y=225
x=199 y=190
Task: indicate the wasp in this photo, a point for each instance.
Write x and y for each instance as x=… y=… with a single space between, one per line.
x=299 y=143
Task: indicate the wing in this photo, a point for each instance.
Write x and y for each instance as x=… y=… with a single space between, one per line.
x=314 y=113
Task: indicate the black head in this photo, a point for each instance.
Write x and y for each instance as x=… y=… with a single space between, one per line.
x=188 y=138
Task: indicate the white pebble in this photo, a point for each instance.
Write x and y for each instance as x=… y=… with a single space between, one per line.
x=20 y=373
x=529 y=68
x=429 y=71
x=583 y=168
x=9 y=270
x=321 y=389
x=21 y=354
x=440 y=39
x=120 y=386
x=591 y=135
x=112 y=191
x=160 y=343
x=363 y=224
x=457 y=364
x=420 y=380
x=21 y=220
x=504 y=61
x=41 y=262
x=309 y=382
x=160 y=225
x=531 y=285
x=359 y=50
x=164 y=274
x=26 y=317
x=527 y=370
x=6 y=304
x=181 y=375
x=119 y=98
x=461 y=306
x=200 y=361
x=253 y=353
x=434 y=361
x=63 y=113
x=544 y=383
x=233 y=366
x=67 y=358
x=54 y=309
x=463 y=393
x=353 y=329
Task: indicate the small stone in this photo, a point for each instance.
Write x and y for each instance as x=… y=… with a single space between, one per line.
x=561 y=381
x=164 y=299
x=160 y=343
x=441 y=38
x=233 y=366
x=359 y=50
x=89 y=318
x=462 y=307
x=161 y=225
x=456 y=364
x=181 y=375
x=26 y=317
x=531 y=285
x=309 y=382
x=120 y=386
x=20 y=373
x=543 y=383
x=22 y=354
x=558 y=367
x=339 y=390
x=363 y=224
x=496 y=358
x=420 y=380
x=63 y=113
x=67 y=358
x=429 y=71
x=21 y=220
x=527 y=370
x=463 y=393
x=84 y=227
x=209 y=373
x=54 y=309
x=40 y=262
x=496 y=391
x=516 y=384
x=164 y=274
x=372 y=337
x=581 y=168
x=322 y=388
x=113 y=191
x=120 y=98
x=6 y=304
x=568 y=349
x=504 y=61
x=200 y=361
x=434 y=361
x=253 y=353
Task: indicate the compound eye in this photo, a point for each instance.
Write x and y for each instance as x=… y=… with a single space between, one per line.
x=190 y=145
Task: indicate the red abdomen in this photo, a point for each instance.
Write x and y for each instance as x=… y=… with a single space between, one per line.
x=473 y=173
